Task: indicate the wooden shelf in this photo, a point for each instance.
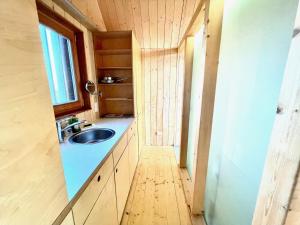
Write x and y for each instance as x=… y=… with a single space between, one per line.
x=116 y=84
x=118 y=99
x=113 y=57
x=114 y=51
x=115 y=68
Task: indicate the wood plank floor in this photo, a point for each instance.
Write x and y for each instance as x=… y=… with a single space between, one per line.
x=156 y=196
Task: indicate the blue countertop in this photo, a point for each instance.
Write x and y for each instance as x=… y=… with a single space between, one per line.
x=81 y=160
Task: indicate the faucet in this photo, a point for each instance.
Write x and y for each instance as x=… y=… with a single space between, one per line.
x=61 y=130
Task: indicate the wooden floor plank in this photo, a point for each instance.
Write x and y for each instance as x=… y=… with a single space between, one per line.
x=156 y=196
x=129 y=203
x=187 y=184
x=182 y=206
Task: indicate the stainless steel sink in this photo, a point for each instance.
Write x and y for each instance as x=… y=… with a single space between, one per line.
x=92 y=136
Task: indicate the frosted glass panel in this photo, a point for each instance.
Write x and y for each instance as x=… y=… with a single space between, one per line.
x=256 y=36
x=196 y=97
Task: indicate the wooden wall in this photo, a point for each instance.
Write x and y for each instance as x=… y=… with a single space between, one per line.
x=32 y=186
x=159 y=69
x=156 y=23
x=162 y=71
x=179 y=97
x=90 y=9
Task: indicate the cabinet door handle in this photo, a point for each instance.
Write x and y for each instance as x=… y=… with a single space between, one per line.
x=99 y=178
x=116 y=170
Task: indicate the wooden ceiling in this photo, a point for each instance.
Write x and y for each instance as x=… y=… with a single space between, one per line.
x=156 y=23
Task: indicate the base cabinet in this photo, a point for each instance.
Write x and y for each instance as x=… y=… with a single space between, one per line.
x=104 y=200
x=122 y=182
x=133 y=156
x=105 y=209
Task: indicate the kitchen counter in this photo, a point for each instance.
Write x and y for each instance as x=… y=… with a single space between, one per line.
x=81 y=160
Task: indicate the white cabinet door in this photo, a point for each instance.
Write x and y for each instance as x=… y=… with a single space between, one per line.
x=122 y=182
x=133 y=156
x=104 y=211
x=85 y=203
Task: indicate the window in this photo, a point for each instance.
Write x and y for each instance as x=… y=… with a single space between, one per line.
x=64 y=58
x=59 y=65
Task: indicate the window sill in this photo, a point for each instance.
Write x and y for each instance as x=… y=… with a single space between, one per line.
x=77 y=111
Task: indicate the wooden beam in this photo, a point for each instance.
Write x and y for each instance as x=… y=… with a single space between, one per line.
x=197 y=19
x=293 y=215
x=213 y=28
x=70 y=8
x=283 y=157
x=188 y=70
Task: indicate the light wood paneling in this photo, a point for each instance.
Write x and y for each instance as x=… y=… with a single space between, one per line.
x=179 y=97
x=92 y=11
x=153 y=96
x=166 y=94
x=156 y=23
x=159 y=71
x=293 y=216
x=156 y=196
x=32 y=186
x=147 y=99
x=137 y=77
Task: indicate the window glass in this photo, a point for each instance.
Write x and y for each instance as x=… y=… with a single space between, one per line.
x=59 y=65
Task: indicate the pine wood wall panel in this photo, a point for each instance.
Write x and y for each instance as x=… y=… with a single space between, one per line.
x=179 y=95
x=178 y=6
x=122 y=17
x=166 y=93
x=159 y=102
x=168 y=28
x=145 y=24
x=156 y=23
x=172 y=103
x=159 y=68
x=161 y=19
x=32 y=186
x=187 y=13
x=128 y=11
x=91 y=9
x=105 y=15
x=153 y=23
x=153 y=94
x=136 y=12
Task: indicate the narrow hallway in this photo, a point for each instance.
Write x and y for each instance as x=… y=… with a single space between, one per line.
x=156 y=195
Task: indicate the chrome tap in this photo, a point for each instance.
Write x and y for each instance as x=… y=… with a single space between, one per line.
x=61 y=131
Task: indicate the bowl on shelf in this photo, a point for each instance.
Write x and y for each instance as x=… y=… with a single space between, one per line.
x=110 y=80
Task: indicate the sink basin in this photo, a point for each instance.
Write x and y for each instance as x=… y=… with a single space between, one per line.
x=92 y=136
